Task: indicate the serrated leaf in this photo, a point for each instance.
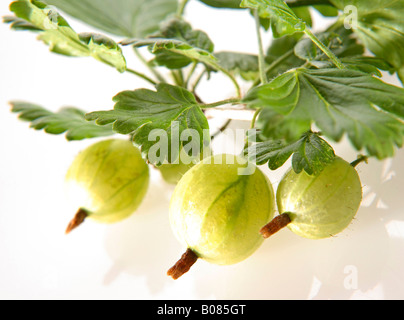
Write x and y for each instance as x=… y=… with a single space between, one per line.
x=243 y=64
x=380 y=27
x=310 y=153
x=338 y=102
x=169 y=108
x=340 y=42
x=178 y=47
x=280 y=56
x=180 y=30
x=70 y=120
x=274 y=126
x=126 y=18
x=19 y=24
x=104 y=49
x=345 y=48
x=283 y=18
x=62 y=39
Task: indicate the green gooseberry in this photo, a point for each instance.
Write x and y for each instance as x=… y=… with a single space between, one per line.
x=173 y=172
x=217 y=209
x=107 y=181
x=317 y=206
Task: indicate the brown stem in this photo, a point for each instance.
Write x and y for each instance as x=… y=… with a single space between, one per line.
x=78 y=219
x=278 y=223
x=183 y=265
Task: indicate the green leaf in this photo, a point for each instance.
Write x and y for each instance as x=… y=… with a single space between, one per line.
x=280 y=56
x=62 y=39
x=19 y=24
x=310 y=153
x=70 y=120
x=344 y=47
x=178 y=47
x=126 y=18
x=326 y=10
x=338 y=102
x=105 y=50
x=232 y=4
x=380 y=27
x=180 y=30
x=56 y=32
x=274 y=126
x=284 y=20
x=243 y=64
x=170 y=109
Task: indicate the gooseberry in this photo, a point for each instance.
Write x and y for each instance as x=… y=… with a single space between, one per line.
x=107 y=181
x=317 y=206
x=173 y=172
x=217 y=209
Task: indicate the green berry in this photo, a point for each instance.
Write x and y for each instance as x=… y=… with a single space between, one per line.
x=173 y=172
x=216 y=211
x=107 y=181
x=318 y=206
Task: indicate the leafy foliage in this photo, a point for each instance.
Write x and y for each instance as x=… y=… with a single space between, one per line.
x=305 y=89
x=126 y=18
x=70 y=120
x=338 y=102
x=61 y=38
x=169 y=108
x=180 y=30
x=343 y=46
x=310 y=153
x=246 y=65
x=19 y=24
x=174 y=53
x=284 y=20
x=380 y=27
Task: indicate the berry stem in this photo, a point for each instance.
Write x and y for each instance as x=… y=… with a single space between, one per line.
x=361 y=158
x=278 y=223
x=183 y=265
x=78 y=219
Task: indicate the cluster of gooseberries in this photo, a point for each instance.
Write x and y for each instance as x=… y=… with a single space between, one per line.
x=223 y=207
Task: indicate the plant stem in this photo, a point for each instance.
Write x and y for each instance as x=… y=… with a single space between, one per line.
x=78 y=219
x=261 y=56
x=183 y=265
x=178 y=77
x=158 y=76
x=255 y=117
x=231 y=77
x=324 y=48
x=141 y=75
x=278 y=223
x=198 y=80
x=181 y=8
x=191 y=72
x=360 y=159
x=221 y=129
x=219 y=103
x=275 y=64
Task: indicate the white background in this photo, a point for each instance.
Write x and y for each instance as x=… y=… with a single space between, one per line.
x=129 y=260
